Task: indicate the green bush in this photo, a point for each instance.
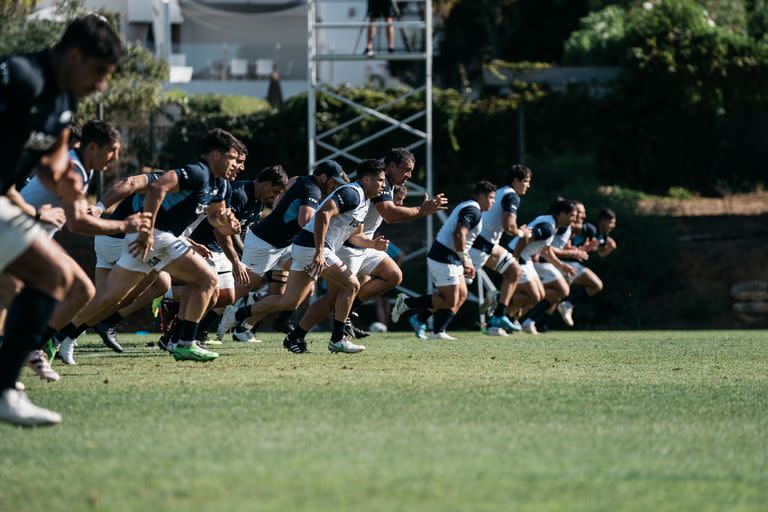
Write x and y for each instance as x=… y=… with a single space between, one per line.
x=599 y=40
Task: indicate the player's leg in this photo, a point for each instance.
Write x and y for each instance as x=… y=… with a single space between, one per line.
x=585 y=284
x=503 y=263
x=348 y=286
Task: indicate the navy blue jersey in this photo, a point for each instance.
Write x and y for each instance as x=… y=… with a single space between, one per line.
x=198 y=188
x=281 y=225
x=241 y=198
x=131 y=204
x=588 y=232
x=33 y=113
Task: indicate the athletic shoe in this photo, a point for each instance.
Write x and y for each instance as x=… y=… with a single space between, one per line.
x=419 y=329
x=399 y=308
x=108 y=335
x=164 y=341
x=297 y=346
x=496 y=331
x=491 y=301
x=565 y=309
x=529 y=326
x=368 y=52
x=345 y=346
x=354 y=332
x=243 y=335
x=193 y=352
x=37 y=361
x=516 y=326
x=227 y=322
x=50 y=350
x=16 y=408
x=67 y=351
x=441 y=336
x=504 y=322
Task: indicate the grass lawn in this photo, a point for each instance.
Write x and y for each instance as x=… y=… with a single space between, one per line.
x=565 y=421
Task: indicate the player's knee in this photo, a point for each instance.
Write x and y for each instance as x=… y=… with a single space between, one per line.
x=513 y=273
x=225 y=297
x=209 y=280
x=352 y=285
x=597 y=286
x=394 y=276
x=162 y=283
x=82 y=287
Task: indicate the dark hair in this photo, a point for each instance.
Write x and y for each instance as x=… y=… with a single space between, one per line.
x=483 y=188
x=74 y=134
x=520 y=172
x=370 y=167
x=100 y=133
x=241 y=147
x=606 y=214
x=399 y=189
x=274 y=175
x=398 y=156
x=561 y=205
x=94 y=37
x=219 y=140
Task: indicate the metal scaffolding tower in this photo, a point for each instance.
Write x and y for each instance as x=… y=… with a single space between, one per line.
x=356 y=151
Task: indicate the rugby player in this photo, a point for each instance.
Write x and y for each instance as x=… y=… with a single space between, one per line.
x=449 y=264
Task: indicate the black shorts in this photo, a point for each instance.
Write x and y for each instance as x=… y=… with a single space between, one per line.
x=380 y=9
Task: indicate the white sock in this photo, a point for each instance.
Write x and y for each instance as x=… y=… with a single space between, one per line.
x=247 y=326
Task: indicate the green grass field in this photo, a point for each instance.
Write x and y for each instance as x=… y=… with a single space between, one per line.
x=566 y=421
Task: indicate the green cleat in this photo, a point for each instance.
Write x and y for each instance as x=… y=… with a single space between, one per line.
x=156 y=302
x=50 y=350
x=193 y=352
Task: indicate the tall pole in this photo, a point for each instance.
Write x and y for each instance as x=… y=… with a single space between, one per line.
x=311 y=82
x=428 y=107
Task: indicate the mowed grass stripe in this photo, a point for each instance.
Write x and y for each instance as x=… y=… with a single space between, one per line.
x=576 y=421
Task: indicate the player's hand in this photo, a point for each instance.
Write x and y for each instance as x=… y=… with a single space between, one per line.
x=51 y=215
x=580 y=254
x=437 y=203
x=200 y=249
x=318 y=263
x=138 y=222
x=568 y=270
x=469 y=271
x=242 y=274
x=94 y=210
x=233 y=222
x=380 y=243
x=610 y=243
x=141 y=245
x=525 y=232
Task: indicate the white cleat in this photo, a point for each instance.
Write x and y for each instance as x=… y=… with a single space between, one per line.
x=441 y=336
x=244 y=335
x=399 y=308
x=67 y=351
x=565 y=309
x=227 y=322
x=529 y=326
x=497 y=331
x=37 y=361
x=344 y=346
x=16 y=408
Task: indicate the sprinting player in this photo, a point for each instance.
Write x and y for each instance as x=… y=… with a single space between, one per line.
x=246 y=199
x=530 y=290
x=176 y=200
x=449 y=265
x=587 y=284
x=314 y=255
x=487 y=252
x=268 y=243
x=38 y=95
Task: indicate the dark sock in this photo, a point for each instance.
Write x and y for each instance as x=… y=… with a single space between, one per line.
x=578 y=295
x=112 y=320
x=442 y=318
x=71 y=331
x=538 y=310
x=355 y=304
x=420 y=302
x=187 y=330
x=297 y=333
x=423 y=316
x=501 y=310
x=27 y=322
x=243 y=313
x=174 y=330
x=207 y=320
x=338 y=330
x=49 y=332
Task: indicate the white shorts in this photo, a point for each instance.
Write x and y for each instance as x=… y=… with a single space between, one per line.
x=547 y=272
x=528 y=272
x=580 y=268
x=108 y=250
x=302 y=257
x=361 y=262
x=223 y=268
x=262 y=256
x=445 y=274
x=166 y=248
x=17 y=232
x=480 y=258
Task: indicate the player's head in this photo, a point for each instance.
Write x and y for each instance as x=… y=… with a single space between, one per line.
x=99 y=145
x=606 y=220
x=220 y=151
x=581 y=215
x=399 y=192
x=242 y=155
x=521 y=178
x=329 y=175
x=89 y=51
x=564 y=211
x=399 y=164
x=75 y=131
x=270 y=183
x=485 y=194
x=370 y=176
